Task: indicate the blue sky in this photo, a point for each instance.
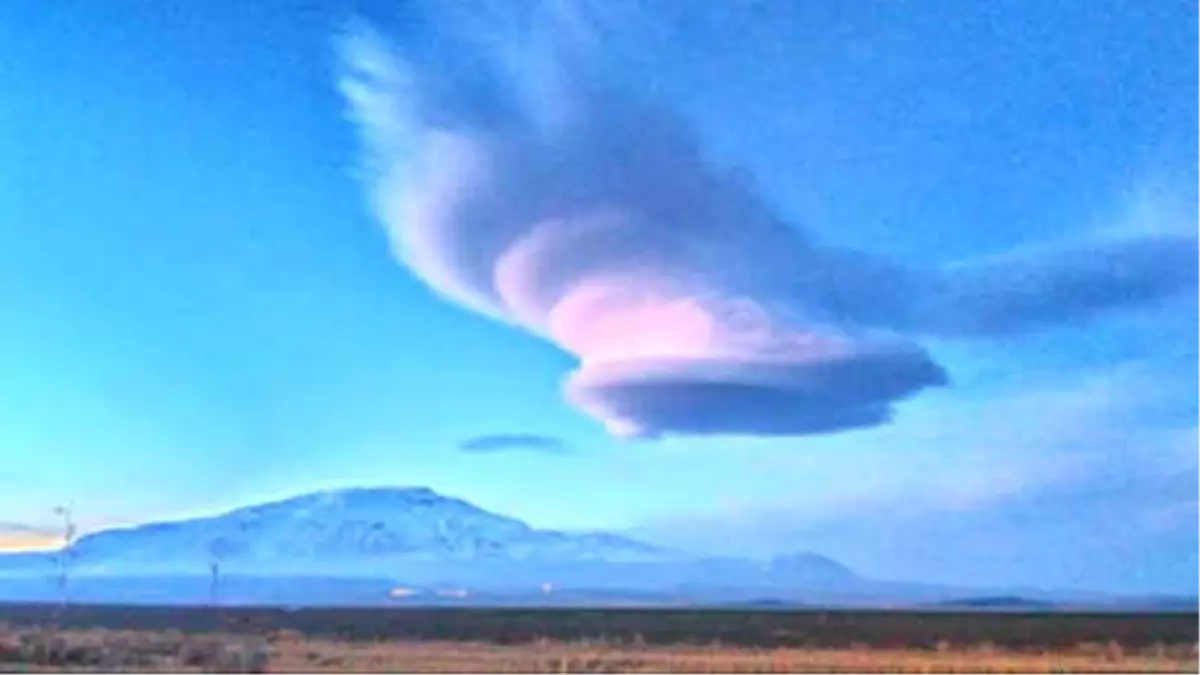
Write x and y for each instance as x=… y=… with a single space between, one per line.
x=201 y=303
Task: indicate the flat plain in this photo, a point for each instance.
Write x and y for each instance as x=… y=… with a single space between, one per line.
x=105 y=638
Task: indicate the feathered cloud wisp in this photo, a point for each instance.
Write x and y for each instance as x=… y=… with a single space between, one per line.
x=523 y=189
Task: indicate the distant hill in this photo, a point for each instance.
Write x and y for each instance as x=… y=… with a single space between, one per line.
x=811 y=568
x=995 y=602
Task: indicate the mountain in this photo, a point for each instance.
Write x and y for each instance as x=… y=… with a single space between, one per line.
x=415 y=546
x=433 y=546
x=348 y=530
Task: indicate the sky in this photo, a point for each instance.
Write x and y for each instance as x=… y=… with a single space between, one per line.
x=910 y=284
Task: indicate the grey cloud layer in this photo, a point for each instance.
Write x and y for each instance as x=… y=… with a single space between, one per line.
x=1007 y=295
x=529 y=192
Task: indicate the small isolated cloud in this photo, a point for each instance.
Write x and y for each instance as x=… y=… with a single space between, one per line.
x=524 y=189
x=491 y=443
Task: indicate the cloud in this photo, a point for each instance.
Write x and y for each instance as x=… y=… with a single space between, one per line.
x=492 y=443
x=1086 y=482
x=27 y=529
x=1007 y=294
x=515 y=184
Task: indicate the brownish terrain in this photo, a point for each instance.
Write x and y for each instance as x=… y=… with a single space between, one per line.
x=83 y=639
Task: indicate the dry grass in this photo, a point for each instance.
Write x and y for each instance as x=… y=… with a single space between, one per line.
x=43 y=650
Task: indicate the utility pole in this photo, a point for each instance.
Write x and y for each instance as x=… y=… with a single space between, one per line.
x=218 y=550
x=64 y=553
x=214 y=568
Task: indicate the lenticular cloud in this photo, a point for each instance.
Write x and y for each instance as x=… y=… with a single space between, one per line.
x=529 y=193
x=602 y=231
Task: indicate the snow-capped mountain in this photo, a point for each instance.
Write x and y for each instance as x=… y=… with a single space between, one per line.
x=348 y=530
x=414 y=537
x=362 y=545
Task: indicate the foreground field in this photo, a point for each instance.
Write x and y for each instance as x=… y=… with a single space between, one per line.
x=106 y=638
x=26 y=650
